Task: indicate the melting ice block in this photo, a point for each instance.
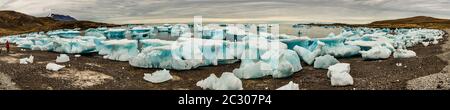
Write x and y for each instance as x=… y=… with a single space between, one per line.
x=323 y=62
x=290 y=86
x=168 y=57
x=62 y=58
x=121 y=50
x=27 y=60
x=342 y=51
x=308 y=56
x=277 y=63
x=227 y=81
x=54 y=67
x=64 y=45
x=158 y=76
x=403 y=53
x=376 y=53
x=340 y=74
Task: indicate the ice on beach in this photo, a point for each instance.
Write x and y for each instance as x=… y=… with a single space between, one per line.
x=155 y=43
x=62 y=58
x=28 y=60
x=323 y=62
x=115 y=34
x=376 y=53
x=63 y=45
x=290 y=86
x=425 y=44
x=340 y=74
x=77 y=56
x=54 y=67
x=158 y=76
x=308 y=56
x=120 y=50
x=227 y=81
x=277 y=63
x=403 y=53
x=168 y=57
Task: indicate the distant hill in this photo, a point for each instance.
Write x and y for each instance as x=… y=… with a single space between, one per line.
x=12 y=22
x=418 y=21
x=59 y=17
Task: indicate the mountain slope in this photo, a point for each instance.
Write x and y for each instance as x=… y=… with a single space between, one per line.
x=418 y=21
x=12 y=22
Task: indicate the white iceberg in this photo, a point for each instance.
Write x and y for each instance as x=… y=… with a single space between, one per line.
x=27 y=60
x=290 y=86
x=323 y=62
x=62 y=58
x=54 y=67
x=376 y=53
x=158 y=76
x=340 y=74
x=227 y=81
x=403 y=53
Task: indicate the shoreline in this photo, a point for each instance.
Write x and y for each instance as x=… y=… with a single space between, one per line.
x=437 y=81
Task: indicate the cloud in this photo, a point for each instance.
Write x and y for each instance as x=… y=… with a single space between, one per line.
x=133 y=11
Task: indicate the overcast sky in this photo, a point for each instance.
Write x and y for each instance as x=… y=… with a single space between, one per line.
x=272 y=11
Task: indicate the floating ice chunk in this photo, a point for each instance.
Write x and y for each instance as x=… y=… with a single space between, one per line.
x=158 y=76
x=62 y=58
x=54 y=67
x=227 y=81
x=121 y=50
x=115 y=33
x=403 y=53
x=77 y=56
x=340 y=74
x=376 y=53
x=290 y=86
x=307 y=55
x=325 y=61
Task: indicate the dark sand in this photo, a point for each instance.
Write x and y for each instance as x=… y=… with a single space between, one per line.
x=91 y=71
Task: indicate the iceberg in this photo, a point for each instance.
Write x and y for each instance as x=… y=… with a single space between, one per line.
x=54 y=67
x=308 y=56
x=158 y=76
x=403 y=53
x=323 y=62
x=376 y=53
x=168 y=57
x=120 y=50
x=290 y=86
x=340 y=74
x=27 y=60
x=277 y=63
x=115 y=33
x=62 y=58
x=63 y=45
x=208 y=83
x=227 y=81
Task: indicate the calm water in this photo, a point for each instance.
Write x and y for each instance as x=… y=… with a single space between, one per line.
x=313 y=31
